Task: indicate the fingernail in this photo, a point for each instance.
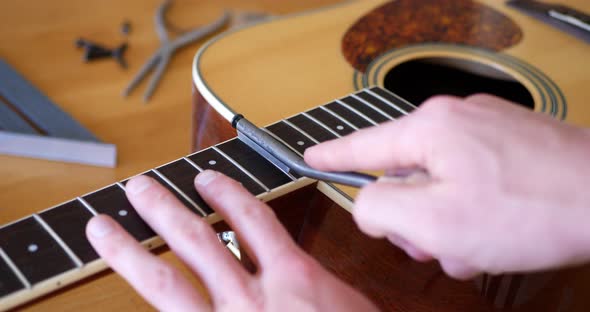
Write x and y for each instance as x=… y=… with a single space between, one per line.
x=206 y=177
x=139 y=184
x=100 y=227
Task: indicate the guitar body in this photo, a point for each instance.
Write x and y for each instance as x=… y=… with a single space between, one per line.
x=415 y=48
x=284 y=67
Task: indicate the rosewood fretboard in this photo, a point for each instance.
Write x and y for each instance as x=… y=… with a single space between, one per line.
x=48 y=250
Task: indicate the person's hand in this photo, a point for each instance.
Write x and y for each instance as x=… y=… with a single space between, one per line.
x=287 y=279
x=506 y=189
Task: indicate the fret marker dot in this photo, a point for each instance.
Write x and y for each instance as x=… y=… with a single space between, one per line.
x=339 y=127
x=32 y=248
x=212 y=162
x=122 y=213
x=300 y=143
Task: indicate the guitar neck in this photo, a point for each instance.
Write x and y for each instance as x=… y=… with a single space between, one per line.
x=48 y=250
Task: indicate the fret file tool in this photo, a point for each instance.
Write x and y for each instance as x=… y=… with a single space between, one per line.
x=289 y=161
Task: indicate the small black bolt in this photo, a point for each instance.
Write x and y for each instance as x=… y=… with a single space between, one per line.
x=93 y=51
x=126 y=28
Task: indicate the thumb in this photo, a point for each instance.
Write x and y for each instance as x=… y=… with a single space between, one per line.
x=458 y=269
x=406 y=210
x=412 y=217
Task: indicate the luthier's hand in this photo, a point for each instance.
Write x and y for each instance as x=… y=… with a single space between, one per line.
x=287 y=278
x=507 y=189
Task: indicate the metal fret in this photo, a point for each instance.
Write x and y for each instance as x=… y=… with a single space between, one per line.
x=281 y=140
x=301 y=131
x=68 y=221
x=321 y=124
x=193 y=164
x=87 y=205
x=121 y=186
x=59 y=241
x=375 y=108
x=339 y=118
x=181 y=193
x=386 y=101
x=350 y=108
x=34 y=251
x=249 y=174
x=21 y=277
x=292 y=177
x=397 y=97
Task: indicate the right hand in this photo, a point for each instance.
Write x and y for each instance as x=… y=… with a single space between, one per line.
x=507 y=189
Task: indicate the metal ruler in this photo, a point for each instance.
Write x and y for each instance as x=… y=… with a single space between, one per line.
x=31 y=125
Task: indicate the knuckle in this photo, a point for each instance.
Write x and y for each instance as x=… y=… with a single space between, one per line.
x=364 y=214
x=479 y=98
x=442 y=114
x=111 y=251
x=441 y=104
x=162 y=195
x=457 y=269
x=436 y=223
x=256 y=211
x=155 y=194
x=362 y=208
x=194 y=230
x=442 y=228
x=250 y=298
x=222 y=189
x=163 y=280
x=300 y=268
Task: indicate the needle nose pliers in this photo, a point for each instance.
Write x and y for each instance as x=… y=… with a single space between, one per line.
x=162 y=56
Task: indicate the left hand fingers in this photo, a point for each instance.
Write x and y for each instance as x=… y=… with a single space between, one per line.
x=254 y=222
x=157 y=281
x=190 y=237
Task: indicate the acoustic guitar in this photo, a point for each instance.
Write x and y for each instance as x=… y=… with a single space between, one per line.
x=349 y=58
x=313 y=77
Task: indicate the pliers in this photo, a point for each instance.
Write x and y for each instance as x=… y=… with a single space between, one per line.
x=162 y=56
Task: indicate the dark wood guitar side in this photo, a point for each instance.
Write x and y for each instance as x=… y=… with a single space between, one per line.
x=383 y=272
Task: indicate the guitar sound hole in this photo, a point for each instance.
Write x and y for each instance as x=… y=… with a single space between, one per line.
x=417 y=80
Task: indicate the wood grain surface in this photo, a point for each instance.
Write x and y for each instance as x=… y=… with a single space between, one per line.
x=37 y=38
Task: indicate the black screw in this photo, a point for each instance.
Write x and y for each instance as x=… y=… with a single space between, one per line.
x=93 y=51
x=126 y=28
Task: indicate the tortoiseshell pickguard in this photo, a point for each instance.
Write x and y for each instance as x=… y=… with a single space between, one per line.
x=404 y=22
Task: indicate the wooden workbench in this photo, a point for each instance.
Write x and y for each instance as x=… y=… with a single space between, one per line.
x=37 y=38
